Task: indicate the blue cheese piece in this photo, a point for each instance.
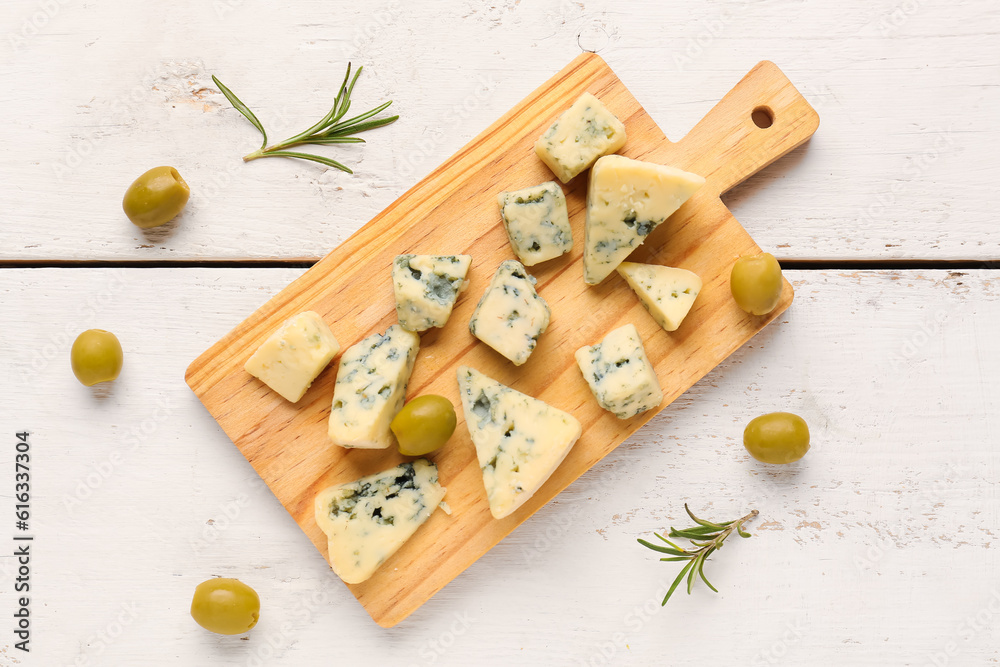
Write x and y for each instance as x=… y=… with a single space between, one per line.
x=583 y=133
x=291 y=358
x=368 y=520
x=426 y=287
x=519 y=440
x=626 y=201
x=371 y=388
x=537 y=222
x=619 y=374
x=667 y=293
x=510 y=316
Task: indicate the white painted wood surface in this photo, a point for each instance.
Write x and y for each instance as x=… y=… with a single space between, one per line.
x=879 y=548
x=903 y=165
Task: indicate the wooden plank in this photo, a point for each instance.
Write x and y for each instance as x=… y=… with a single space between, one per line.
x=454 y=211
x=896 y=172
x=876 y=550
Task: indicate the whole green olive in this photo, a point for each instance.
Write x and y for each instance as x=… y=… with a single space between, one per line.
x=424 y=424
x=156 y=197
x=96 y=356
x=756 y=283
x=778 y=437
x=225 y=606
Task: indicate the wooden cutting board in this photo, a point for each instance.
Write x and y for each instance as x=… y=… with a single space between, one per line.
x=454 y=210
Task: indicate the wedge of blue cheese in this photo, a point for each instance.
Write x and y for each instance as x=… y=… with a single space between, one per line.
x=666 y=292
x=627 y=200
x=537 y=222
x=368 y=520
x=510 y=315
x=371 y=388
x=619 y=373
x=291 y=358
x=426 y=288
x=583 y=133
x=520 y=440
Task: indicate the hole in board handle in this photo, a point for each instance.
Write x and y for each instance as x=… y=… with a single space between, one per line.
x=762 y=117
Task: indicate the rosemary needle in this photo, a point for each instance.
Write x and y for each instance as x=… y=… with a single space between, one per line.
x=707 y=537
x=330 y=129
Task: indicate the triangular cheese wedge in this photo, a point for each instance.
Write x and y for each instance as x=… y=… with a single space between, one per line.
x=367 y=520
x=626 y=201
x=520 y=440
x=426 y=287
x=667 y=293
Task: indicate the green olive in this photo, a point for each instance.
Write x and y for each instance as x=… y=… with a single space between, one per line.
x=778 y=437
x=424 y=424
x=156 y=197
x=225 y=606
x=756 y=283
x=96 y=356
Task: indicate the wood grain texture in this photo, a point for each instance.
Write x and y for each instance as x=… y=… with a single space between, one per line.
x=453 y=211
x=95 y=95
x=875 y=550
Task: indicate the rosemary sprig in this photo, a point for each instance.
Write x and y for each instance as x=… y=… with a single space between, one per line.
x=705 y=535
x=329 y=130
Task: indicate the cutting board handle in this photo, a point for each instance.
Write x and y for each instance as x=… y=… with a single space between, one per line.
x=733 y=141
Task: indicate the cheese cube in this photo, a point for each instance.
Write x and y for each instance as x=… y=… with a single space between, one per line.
x=371 y=388
x=426 y=288
x=510 y=316
x=626 y=201
x=368 y=520
x=665 y=292
x=583 y=133
x=520 y=440
x=292 y=357
x=619 y=374
x=537 y=222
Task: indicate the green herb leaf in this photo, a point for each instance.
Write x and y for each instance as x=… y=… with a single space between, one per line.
x=242 y=108
x=327 y=131
x=314 y=158
x=707 y=537
x=677 y=581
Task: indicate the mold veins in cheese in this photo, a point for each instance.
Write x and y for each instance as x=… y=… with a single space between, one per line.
x=371 y=388
x=627 y=200
x=583 y=133
x=667 y=293
x=426 y=287
x=368 y=520
x=291 y=358
x=619 y=373
x=520 y=440
x=510 y=316
x=537 y=222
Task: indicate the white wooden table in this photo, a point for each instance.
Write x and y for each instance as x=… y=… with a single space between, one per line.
x=881 y=547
